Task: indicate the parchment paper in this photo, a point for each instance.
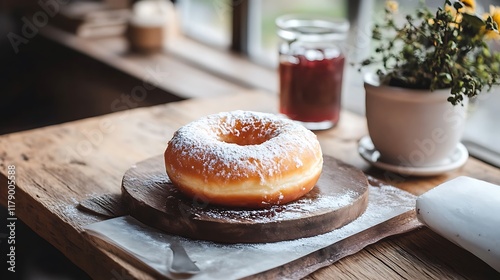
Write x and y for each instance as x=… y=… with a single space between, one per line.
x=232 y=261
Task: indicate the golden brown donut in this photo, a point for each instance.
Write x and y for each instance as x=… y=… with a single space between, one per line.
x=244 y=159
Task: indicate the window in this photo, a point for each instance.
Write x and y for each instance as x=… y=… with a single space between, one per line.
x=207 y=21
x=248 y=26
x=262 y=43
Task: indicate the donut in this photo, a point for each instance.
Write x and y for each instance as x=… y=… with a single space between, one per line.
x=244 y=159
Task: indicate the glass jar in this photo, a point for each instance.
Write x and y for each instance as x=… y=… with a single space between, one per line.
x=311 y=67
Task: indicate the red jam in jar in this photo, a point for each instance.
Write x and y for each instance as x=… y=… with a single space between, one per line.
x=310 y=90
x=311 y=69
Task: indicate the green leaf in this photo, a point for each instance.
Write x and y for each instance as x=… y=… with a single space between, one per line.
x=473 y=20
x=366 y=62
x=445 y=77
x=486 y=52
x=452 y=45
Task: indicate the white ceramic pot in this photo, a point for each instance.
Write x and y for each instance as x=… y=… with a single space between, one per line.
x=412 y=127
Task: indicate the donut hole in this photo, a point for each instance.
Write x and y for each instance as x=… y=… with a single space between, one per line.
x=244 y=134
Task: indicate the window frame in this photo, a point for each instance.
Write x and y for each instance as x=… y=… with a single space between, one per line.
x=243 y=11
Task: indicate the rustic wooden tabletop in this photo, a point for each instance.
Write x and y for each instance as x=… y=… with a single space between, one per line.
x=58 y=166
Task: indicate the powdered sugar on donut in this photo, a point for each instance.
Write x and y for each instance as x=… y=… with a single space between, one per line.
x=242 y=144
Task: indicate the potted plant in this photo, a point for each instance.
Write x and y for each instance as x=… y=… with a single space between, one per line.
x=426 y=70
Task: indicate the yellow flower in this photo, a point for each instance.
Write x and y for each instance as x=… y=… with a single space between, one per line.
x=495 y=15
x=457 y=17
x=470 y=6
x=392 y=6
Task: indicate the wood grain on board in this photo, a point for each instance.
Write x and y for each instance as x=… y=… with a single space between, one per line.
x=339 y=197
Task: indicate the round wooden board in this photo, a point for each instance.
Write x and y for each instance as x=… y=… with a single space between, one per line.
x=339 y=197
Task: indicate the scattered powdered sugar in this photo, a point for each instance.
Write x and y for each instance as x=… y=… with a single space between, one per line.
x=234 y=261
x=241 y=144
x=308 y=204
x=73 y=215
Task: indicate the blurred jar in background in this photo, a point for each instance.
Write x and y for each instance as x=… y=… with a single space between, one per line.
x=311 y=67
x=147 y=25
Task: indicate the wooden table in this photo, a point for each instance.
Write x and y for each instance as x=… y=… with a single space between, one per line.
x=58 y=166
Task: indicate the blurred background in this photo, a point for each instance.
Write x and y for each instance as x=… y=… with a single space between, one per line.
x=64 y=60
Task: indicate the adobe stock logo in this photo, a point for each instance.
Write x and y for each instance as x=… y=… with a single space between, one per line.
x=38 y=20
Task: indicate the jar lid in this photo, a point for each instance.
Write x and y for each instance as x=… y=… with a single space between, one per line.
x=311 y=28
